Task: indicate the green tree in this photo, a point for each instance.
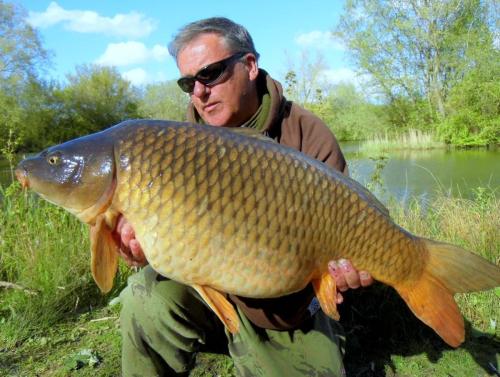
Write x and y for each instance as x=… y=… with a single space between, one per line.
x=416 y=51
x=95 y=98
x=21 y=51
x=350 y=114
x=21 y=56
x=164 y=101
x=474 y=107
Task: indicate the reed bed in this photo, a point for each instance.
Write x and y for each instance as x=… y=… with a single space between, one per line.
x=410 y=140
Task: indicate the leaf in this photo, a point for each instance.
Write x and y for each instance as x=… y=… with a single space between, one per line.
x=81 y=359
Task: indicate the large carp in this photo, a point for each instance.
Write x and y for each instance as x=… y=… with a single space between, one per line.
x=227 y=211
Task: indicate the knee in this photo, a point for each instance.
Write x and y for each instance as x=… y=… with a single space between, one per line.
x=149 y=292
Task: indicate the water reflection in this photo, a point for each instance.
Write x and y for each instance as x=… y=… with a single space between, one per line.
x=421 y=174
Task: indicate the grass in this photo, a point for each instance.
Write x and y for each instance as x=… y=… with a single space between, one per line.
x=411 y=140
x=58 y=324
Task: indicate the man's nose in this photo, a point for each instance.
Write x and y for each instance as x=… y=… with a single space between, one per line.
x=200 y=90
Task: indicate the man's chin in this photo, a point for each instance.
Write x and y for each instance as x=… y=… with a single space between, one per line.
x=216 y=121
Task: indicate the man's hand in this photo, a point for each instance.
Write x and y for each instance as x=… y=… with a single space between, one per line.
x=347 y=277
x=130 y=249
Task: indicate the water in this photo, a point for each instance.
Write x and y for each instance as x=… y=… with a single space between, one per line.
x=422 y=174
x=410 y=174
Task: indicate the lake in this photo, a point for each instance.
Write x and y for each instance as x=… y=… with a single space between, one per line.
x=408 y=174
x=421 y=174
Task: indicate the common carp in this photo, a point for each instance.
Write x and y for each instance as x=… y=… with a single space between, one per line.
x=230 y=211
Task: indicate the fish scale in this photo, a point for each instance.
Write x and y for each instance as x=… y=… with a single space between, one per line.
x=222 y=230
x=229 y=211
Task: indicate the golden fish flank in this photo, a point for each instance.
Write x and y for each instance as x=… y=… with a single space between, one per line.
x=227 y=212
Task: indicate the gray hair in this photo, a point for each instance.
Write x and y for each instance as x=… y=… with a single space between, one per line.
x=236 y=37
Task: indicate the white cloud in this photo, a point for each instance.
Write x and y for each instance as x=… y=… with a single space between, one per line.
x=319 y=39
x=132 y=25
x=137 y=76
x=344 y=75
x=336 y=76
x=129 y=53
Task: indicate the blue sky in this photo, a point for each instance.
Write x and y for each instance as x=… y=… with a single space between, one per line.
x=133 y=35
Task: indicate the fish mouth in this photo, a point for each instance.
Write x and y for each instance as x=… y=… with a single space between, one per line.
x=22 y=177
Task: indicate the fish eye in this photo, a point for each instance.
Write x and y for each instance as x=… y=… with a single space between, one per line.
x=54 y=159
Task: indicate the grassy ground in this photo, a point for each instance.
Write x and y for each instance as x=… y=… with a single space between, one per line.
x=56 y=323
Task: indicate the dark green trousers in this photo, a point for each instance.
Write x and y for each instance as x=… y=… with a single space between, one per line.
x=165 y=323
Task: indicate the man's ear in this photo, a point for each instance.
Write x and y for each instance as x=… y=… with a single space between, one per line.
x=252 y=66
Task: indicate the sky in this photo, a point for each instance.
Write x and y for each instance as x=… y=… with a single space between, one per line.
x=133 y=35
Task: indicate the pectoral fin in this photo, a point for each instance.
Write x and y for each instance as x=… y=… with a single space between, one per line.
x=326 y=292
x=221 y=307
x=104 y=254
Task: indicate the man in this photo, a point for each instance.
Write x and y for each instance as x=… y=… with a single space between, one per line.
x=163 y=322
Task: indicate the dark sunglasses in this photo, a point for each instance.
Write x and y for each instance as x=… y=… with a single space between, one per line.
x=209 y=74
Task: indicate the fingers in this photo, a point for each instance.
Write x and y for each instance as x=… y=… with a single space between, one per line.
x=138 y=257
x=127 y=233
x=365 y=278
x=130 y=249
x=336 y=272
x=347 y=277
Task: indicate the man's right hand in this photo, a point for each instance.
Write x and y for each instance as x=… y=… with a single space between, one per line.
x=130 y=249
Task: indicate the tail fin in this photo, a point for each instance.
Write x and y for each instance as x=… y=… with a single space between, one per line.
x=449 y=270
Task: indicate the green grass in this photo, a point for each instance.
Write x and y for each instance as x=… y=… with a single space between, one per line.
x=44 y=250
x=66 y=328
x=411 y=140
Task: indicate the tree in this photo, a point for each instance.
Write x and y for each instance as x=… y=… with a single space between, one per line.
x=350 y=115
x=95 y=98
x=416 y=49
x=474 y=107
x=164 y=101
x=21 y=51
x=21 y=56
x=305 y=82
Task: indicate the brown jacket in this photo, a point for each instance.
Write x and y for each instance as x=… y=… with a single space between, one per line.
x=293 y=126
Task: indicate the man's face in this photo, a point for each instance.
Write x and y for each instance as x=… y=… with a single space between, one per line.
x=233 y=99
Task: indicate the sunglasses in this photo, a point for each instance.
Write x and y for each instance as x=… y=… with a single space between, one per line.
x=209 y=74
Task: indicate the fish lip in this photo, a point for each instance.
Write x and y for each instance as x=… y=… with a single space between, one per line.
x=22 y=177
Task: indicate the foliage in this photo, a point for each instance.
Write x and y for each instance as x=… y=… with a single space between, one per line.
x=416 y=53
x=10 y=117
x=163 y=100
x=305 y=82
x=21 y=51
x=349 y=113
x=343 y=107
x=21 y=57
x=474 y=107
x=95 y=98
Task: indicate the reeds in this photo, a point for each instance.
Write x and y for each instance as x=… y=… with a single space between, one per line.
x=410 y=140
